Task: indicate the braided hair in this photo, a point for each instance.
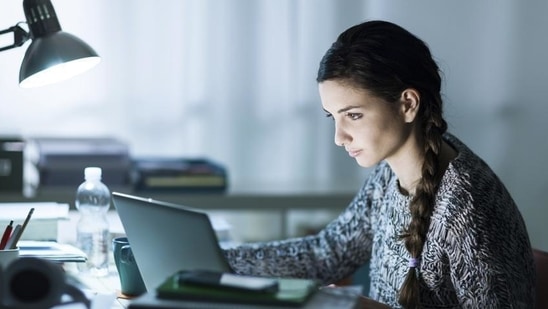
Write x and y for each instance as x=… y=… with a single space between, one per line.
x=386 y=59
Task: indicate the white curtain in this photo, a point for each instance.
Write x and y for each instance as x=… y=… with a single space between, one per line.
x=233 y=81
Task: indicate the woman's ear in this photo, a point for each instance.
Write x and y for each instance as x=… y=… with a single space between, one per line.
x=410 y=102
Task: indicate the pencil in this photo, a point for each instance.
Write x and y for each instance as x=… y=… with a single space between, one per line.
x=16 y=239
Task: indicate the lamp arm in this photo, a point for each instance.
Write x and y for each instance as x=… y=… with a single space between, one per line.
x=20 y=36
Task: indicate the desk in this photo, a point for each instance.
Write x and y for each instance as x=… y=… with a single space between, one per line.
x=282 y=204
x=105 y=290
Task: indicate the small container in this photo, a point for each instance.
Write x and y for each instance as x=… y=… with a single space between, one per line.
x=7 y=256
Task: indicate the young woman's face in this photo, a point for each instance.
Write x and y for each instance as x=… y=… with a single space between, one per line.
x=369 y=128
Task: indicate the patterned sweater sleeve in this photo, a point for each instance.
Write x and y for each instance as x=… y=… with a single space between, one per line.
x=332 y=254
x=487 y=255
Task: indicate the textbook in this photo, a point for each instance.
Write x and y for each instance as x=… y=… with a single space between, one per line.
x=289 y=291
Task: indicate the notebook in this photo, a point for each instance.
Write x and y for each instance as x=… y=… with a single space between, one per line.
x=166 y=238
x=290 y=292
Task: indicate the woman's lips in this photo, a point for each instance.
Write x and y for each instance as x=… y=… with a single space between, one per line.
x=354 y=153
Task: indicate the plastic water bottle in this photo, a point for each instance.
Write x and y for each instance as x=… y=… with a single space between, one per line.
x=93 y=202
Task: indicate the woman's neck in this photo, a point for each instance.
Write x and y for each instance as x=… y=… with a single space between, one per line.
x=408 y=165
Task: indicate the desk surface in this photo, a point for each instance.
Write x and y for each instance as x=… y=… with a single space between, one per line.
x=105 y=289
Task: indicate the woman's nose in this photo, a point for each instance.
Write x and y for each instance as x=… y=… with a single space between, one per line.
x=341 y=137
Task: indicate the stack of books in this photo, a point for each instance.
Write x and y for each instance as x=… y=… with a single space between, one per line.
x=178 y=174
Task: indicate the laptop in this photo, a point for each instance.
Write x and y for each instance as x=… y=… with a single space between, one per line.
x=166 y=238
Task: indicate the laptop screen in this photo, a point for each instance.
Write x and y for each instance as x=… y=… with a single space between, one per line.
x=166 y=238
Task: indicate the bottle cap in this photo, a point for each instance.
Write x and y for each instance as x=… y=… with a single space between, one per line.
x=92 y=173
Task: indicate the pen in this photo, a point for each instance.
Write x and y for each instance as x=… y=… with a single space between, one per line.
x=6 y=235
x=18 y=235
x=12 y=242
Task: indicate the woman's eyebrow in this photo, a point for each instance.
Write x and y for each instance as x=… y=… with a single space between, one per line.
x=345 y=109
x=342 y=110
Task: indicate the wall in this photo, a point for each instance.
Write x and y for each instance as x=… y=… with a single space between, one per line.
x=491 y=53
x=234 y=80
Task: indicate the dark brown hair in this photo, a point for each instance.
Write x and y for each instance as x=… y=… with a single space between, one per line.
x=386 y=59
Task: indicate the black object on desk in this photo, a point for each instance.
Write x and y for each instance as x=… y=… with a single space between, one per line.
x=61 y=161
x=209 y=279
x=11 y=164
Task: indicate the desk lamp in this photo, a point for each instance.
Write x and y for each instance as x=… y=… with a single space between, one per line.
x=53 y=55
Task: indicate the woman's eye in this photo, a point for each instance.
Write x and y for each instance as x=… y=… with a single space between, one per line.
x=328 y=115
x=354 y=116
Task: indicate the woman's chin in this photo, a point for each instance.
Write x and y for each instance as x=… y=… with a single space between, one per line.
x=363 y=162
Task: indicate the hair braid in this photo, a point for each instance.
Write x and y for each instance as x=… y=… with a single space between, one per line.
x=422 y=204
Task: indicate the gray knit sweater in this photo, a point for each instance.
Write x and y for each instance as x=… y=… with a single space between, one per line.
x=477 y=253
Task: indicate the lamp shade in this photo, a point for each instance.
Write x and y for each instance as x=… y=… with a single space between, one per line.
x=55 y=57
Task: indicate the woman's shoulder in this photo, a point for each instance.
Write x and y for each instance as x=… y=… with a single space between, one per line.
x=469 y=186
x=468 y=171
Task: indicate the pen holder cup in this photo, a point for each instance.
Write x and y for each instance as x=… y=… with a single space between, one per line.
x=7 y=256
x=131 y=282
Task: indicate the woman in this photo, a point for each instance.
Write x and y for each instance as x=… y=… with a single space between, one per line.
x=436 y=224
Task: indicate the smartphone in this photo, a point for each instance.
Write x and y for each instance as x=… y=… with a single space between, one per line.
x=228 y=281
